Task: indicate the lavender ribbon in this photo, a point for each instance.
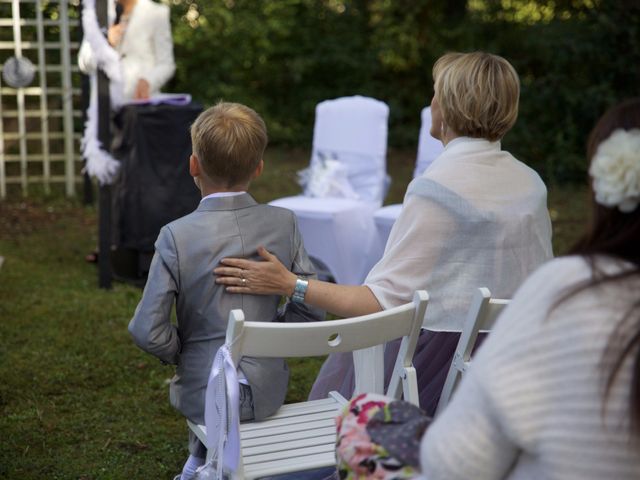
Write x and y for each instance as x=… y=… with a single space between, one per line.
x=222 y=411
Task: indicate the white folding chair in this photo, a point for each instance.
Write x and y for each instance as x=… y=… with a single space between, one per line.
x=340 y=232
x=301 y=436
x=482 y=315
x=428 y=150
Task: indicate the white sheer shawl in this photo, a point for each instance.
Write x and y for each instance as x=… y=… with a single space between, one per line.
x=477 y=217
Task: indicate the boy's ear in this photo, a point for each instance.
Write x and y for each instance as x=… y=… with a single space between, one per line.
x=194 y=166
x=258 y=171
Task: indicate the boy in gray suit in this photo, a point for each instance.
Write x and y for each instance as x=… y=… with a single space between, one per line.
x=228 y=144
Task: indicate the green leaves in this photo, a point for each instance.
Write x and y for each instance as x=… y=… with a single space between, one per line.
x=575 y=58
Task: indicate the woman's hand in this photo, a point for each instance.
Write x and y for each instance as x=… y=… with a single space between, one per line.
x=142 y=90
x=270 y=277
x=114 y=34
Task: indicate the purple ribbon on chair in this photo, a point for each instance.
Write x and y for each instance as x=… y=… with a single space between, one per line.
x=222 y=411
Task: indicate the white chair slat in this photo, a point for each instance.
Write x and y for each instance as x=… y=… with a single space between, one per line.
x=279 y=422
x=290 y=465
x=288 y=446
x=287 y=436
x=291 y=454
x=302 y=408
x=276 y=430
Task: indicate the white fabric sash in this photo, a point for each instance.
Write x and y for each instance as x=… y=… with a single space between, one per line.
x=222 y=412
x=347 y=175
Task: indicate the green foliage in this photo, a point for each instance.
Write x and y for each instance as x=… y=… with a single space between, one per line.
x=572 y=68
x=575 y=59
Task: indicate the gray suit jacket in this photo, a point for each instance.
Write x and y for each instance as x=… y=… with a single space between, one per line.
x=187 y=251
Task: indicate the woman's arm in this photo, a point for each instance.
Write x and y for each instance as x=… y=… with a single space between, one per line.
x=468 y=439
x=271 y=277
x=151 y=326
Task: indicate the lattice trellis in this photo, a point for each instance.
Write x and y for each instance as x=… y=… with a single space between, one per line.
x=38 y=124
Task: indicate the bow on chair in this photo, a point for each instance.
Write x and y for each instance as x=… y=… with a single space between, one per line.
x=222 y=412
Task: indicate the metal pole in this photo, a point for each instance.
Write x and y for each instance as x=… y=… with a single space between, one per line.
x=67 y=101
x=104 y=135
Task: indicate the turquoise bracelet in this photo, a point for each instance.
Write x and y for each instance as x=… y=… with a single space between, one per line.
x=300 y=290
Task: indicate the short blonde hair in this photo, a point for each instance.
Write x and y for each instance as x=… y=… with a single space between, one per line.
x=229 y=140
x=478 y=94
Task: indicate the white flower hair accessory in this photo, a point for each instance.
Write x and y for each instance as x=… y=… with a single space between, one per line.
x=615 y=170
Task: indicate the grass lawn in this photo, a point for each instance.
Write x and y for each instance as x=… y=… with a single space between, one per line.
x=78 y=399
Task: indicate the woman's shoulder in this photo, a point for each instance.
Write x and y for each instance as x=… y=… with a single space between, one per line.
x=563 y=281
x=554 y=277
x=562 y=270
x=577 y=268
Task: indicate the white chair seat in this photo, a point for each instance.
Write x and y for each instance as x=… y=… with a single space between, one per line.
x=300 y=436
x=339 y=232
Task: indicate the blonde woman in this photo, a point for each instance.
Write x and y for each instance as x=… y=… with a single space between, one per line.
x=477 y=217
x=555 y=390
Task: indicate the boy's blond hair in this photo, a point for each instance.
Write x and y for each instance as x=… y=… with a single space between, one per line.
x=229 y=140
x=478 y=94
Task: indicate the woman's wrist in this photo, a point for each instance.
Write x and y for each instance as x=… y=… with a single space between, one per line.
x=290 y=284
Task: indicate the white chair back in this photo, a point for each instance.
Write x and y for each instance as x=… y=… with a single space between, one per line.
x=482 y=315
x=429 y=148
x=353 y=131
x=359 y=334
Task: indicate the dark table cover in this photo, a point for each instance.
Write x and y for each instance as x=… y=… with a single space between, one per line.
x=154 y=187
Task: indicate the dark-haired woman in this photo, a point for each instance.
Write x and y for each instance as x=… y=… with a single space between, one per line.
x=554 y=392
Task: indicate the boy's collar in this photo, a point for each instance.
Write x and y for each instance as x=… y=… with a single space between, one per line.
x=235 y=202
x=221 y=194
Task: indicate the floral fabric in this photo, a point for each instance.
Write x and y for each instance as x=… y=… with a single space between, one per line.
x=397 y=427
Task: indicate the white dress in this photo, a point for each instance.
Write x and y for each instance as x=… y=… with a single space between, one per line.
x=531 y=406
x=476 y=218
x=146 y=49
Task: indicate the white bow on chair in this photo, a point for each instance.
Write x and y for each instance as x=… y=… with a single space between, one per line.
x=222 y=413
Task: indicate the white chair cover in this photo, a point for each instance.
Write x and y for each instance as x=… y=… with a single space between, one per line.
x=428 y=150
x=340 y=232
x=353 y=130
